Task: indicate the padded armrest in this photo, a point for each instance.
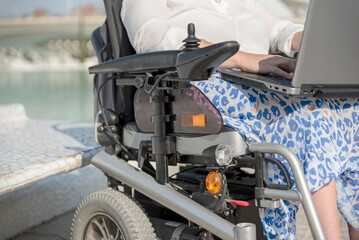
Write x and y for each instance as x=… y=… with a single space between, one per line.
x=196 y=64
x=145 y=62
x=199 y=64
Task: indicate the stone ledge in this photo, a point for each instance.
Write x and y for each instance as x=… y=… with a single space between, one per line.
x=32 y=150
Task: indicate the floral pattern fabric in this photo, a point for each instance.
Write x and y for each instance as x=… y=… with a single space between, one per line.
x=323 y=133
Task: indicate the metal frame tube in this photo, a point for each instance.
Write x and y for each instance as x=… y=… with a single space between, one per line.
x=160 y=131
x=245 y=231
x=164 y=194
x=282 y=194
x=307 y=201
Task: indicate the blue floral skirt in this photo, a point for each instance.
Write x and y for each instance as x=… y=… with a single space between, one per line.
x=323 y=133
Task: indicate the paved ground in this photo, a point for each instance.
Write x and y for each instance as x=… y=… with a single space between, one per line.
x=56 y=229
x=59 y=229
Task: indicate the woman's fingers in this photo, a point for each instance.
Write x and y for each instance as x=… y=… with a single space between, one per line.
x=266 y=64
x=278 y=65
x=280 y=72
x=287 y=64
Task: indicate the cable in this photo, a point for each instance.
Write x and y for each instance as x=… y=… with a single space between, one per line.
x=105 y=119
x=185 y=170
x=158 y=80
x=221 y=200
x=179 y=189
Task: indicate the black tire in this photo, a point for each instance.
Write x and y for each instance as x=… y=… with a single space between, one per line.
x=110 y=212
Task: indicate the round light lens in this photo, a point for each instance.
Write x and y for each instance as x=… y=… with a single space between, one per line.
x=214 y=183
x=223 y=155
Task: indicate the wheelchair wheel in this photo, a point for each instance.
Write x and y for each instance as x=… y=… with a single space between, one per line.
x=111 y=215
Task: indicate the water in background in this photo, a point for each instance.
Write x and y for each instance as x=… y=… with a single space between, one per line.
x=55 y=95
x=38 y=70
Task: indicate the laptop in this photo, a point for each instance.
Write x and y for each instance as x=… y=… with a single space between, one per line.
x=328 y=60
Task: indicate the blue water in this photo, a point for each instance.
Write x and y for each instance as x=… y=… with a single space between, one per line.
x=55 y=95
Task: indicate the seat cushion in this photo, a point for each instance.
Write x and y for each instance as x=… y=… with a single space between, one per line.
x=190 y=144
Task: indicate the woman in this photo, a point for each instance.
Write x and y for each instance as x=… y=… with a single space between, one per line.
x=324 y=133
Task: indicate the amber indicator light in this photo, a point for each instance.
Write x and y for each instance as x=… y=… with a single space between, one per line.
x=214 y=183
x=190 y=120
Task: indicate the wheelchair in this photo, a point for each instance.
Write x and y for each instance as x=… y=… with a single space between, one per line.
x=151 y=119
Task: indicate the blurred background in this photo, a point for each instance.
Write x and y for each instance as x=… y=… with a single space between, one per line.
x=45 y=51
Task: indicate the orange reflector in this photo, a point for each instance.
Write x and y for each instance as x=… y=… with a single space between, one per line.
x=214 y=183
x=189 y=120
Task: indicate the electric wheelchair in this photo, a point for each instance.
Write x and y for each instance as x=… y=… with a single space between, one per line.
x=149 y=118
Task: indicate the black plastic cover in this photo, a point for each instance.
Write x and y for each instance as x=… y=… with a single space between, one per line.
x=145 y=62
x=200 y=63
x=189 y=101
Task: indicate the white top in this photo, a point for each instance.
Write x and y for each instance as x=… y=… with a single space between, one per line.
x=154 y=25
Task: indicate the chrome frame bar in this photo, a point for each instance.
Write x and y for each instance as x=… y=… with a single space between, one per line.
x=165 y=195
x=303 y=195
x=283 y=194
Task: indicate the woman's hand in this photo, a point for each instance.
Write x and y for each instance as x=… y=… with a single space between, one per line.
x=262 y=64
x=266 y=64
x=257 y=63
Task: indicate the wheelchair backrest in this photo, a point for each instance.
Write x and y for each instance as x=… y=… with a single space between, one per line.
x=110 y=41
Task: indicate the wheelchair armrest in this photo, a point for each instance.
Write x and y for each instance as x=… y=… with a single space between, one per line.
x=200 y=63
x=139 y=63
x=191 y=65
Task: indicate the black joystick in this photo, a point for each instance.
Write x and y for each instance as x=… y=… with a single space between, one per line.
x=191 y=42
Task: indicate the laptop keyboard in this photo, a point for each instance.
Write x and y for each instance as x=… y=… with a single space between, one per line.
x=267 y=78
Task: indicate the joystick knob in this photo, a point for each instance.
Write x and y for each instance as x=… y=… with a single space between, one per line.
x=191 y=42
